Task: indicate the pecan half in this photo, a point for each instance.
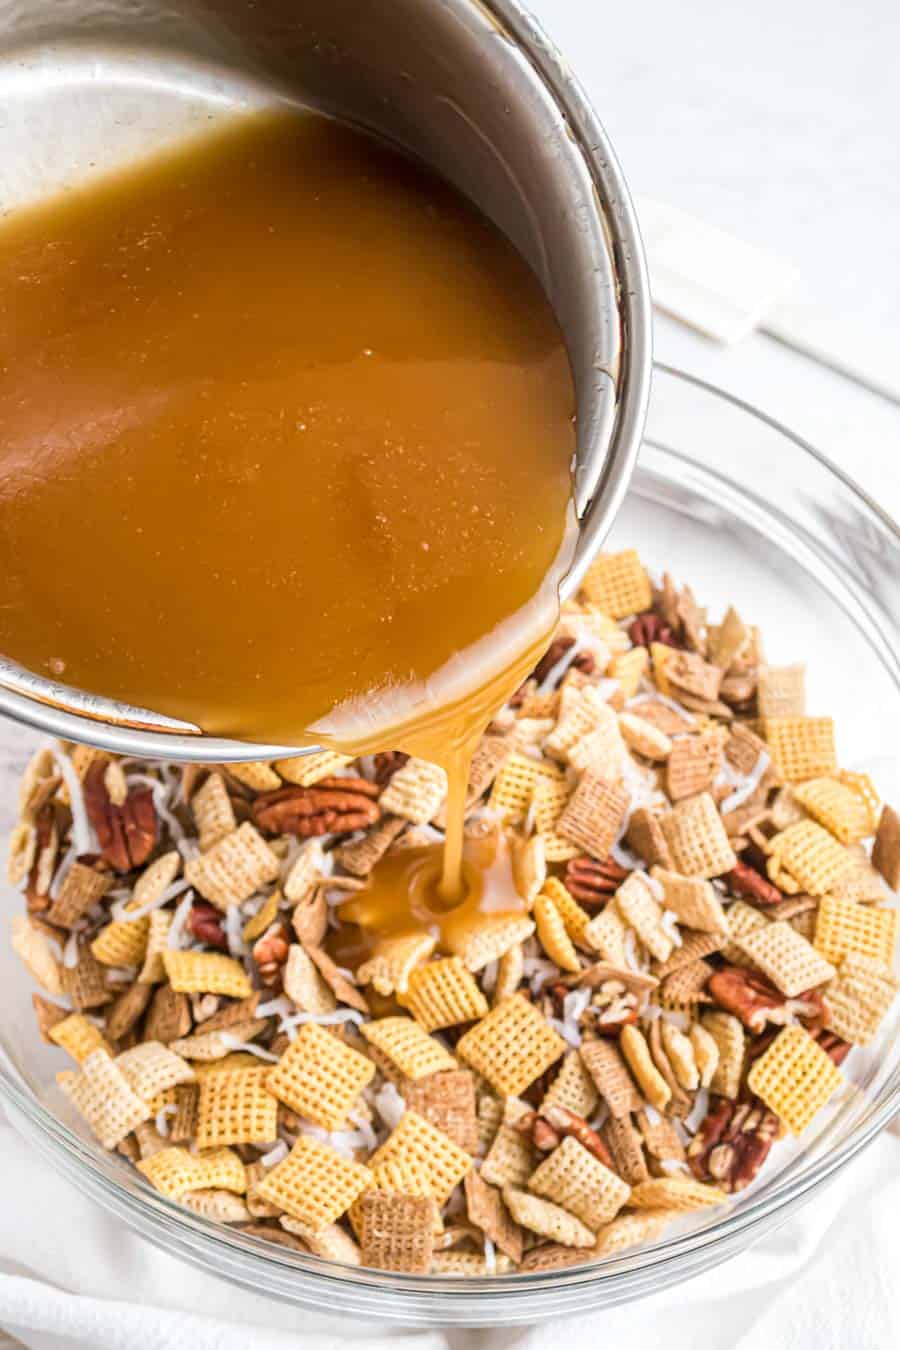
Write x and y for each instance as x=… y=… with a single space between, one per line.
x=127 y=834
x=335 y=805
x=746 y=883
x=732 y=1143
x=836 y=1049
x=205 y=924
x=592 y=883
x=566 y=1122
x=649 y=627
x=757 y=1003
x=387 y=762
x=270 y=952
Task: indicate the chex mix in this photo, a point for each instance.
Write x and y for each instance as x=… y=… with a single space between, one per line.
x=700 y=930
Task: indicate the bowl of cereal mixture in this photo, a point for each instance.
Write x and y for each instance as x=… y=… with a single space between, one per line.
x=663 y=1016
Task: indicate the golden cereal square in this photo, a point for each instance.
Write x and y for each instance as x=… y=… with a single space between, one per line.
x=103 y=1096
x=728 y=1035
x=255 y=774
x=213 y=813
x=790 y=962
x=82 y=887
x=174 y=1171
x=429 y=1155
x=677 y=1194
x=693 y=901
x=488 y=938
x=122 y=943
x=545 y=1218
x=415 y=791
x=577 y=1181
x=234 y=868
x=639 y=908
x=697 y=838
x=843 y=812
x=511 y=1046
x=151 y=1068
x=447 y=1099
x=618 y=585
x=794 y=1077
x=408 y=1046
x=858 y=1000
x=319 y=1077
x=206 y=973
x=308 y=769
x=801 y=747
x=78 y=1037
x=442 y=994
x=314 y=1183
x=234 y=1107
x=811 y=856
x=844 y=926
x=514 y=785
x=394 y=959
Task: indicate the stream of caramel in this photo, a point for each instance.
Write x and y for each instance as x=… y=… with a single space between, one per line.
x=285 y=440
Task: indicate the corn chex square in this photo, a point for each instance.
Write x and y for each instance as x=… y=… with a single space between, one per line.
x=844 y=926
x=843 y=812
x=415 y=791
x=213 y=812
x=78 y=1037
x=442 y=994
x=606 y=935
x=511 y=1046
x=82 y=887
x=638 y=907
x=594 y=815
x=545 y=1218
x=314 y=1183
x=693 y=765
x=206 y=973
x=174 y=1171
x=697 y=838
x=151 y=1068
x=235 y=1107
x=858 y=1000
x=676 y=1194
x=790 y=962
x=577 y=1181
x=510 y=1158
x=811 y=857
x=122 y=943
x=728 y=1035
x=319 y=1077
x=389 y=967
x=408 y=1046
x=692 y=900
x=479 y=943
x=101 y=1093
x=514 y=786
x=234 y=868
x=618 y=585
x=801 y=747
x=308 y=769
x=429 y=1156
x=572 y=1088
x=794 y=1077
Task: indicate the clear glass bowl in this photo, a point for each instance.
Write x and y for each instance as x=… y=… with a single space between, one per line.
x=728 y=500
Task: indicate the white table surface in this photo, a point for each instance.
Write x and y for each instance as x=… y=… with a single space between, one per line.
x=778 y=122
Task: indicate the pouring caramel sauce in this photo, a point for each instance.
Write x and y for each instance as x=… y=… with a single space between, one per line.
x=286 y=429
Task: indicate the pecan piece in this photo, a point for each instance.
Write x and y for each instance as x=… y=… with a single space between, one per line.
x=836 y=1049
x=387 y=762
x=205 y=924
x=749 y=996
x=566 y=1122
x=591 y=882
x=732 y=1143
x=270 y=953
x=127 y=834
x=746 y=883
x=335 y=805
x=650 y=627
x=583 y=661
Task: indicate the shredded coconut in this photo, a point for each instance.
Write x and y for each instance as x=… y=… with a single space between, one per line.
x=162 y=1119
x=750 y=784
x=235 y=1043
x=568 y=1030
x=698 y=1111
x=160 y=801
x=177 y=936
x=653 y=1116
x=559 y=668
x=84 y=839
x=68 y=858
x=490 y=1257
x=120 y=974
x=329 y=1019
x=390 y=1105
x=669 y=922
x=275 y=1155
x=131 y=915
x=489 y=977
x=276 y=1007
x=70 y=952
x=234 y=928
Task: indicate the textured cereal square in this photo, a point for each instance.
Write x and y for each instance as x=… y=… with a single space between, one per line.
x=509 y=1160
x=234 y=868
x=217 y=1205
x=408 y=1046
x=426 y=1153
x=629 y=668
x=618 y=585
x=488 y=1212
x=36 y=953
x=151 y=1068
x=255 y=774
x=585 y=714
x=396 y=1232
x=575 y=918
x=85 y=982
x=212 y=811
x=691 y=675
x=685 y=987
x=578 y=1182
x=415 y=791
x=572 y=1088
x=511 y=1046
x=314 y=1183
x=549 y=1220
x=514 y=785
x=625 y=1146
x=82 y=887
x=389 y=967
x=235 y=1107
x=636 y=903
x=447 y=1100
x=801 y=747
x=479 y=943
x=676 y=1194
x=153 y=971
x=794 y=1077
x=122 y=943
x=693 y=901
x=743 y=919
x=206 y=973
x=810 y=856
x=78 y=1037
x=693 y=765
x=697 y=838
x=728 y=1035
x=636 y=1050
x=303 y=984
x=319 y=1077
x=645 y=837
x=843 y=926
x=305 y=871
x=606 y=934
x=155 y=879
x=594 y=815
x=308 y=769
x=790 y=962
x=442 y=994
x=101 y=1094
x=174 y=1171
x=858 y=999
x=781 y=691
x=743 y=748
x=843 y=812
x=359 y=856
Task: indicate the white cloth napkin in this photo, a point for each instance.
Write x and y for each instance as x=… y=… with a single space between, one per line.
x=130 y=1296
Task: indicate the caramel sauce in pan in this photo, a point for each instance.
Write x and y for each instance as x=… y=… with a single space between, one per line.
x=286 y=429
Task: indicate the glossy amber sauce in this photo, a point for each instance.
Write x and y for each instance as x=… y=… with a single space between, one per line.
x=285 y=444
